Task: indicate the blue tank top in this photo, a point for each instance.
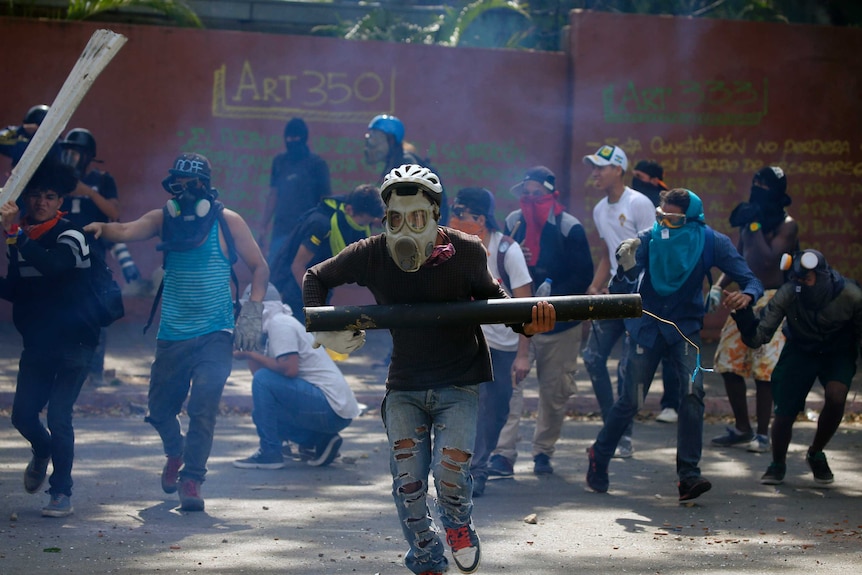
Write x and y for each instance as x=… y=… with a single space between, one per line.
x=196 y=298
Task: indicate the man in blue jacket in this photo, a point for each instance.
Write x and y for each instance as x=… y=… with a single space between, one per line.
x=674 y=256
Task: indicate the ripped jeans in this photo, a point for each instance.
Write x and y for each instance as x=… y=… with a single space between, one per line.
x=410 y=417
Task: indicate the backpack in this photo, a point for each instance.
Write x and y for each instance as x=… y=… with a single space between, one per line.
x=108 y=297
x=232 y=257
x=505 y=244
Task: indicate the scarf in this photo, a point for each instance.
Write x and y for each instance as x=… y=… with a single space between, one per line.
x=536 y=212
x=441 y=252
x=674 y=253
x=336 y=238
x=35 y=231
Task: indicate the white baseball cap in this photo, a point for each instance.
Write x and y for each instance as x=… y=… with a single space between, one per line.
x=608 y=156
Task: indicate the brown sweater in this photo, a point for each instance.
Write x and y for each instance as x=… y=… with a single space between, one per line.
x=422 y=358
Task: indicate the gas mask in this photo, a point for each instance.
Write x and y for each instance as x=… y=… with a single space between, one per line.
x=191 y=199
x=410 y=229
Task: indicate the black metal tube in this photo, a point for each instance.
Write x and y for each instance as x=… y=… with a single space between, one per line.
x=514 y=310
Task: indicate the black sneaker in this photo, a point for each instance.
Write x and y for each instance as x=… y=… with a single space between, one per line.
x=260 y=460
x=693 y=488
x=818 y=465
x=774 y=474
x=499 y=466
x=35 y=473
x=597 y=475
x=326 y=454
x=542 y=465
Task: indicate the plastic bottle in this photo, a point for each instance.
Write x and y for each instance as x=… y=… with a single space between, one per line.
x=544 y=290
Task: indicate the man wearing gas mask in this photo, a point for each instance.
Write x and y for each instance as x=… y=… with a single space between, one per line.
x=432 y=393
x=197 y=331
x=299 y=179
x=766 y=232
x=673 y=256
x=823 y=312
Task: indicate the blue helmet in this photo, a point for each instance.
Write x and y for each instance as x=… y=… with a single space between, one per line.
x=388 y=125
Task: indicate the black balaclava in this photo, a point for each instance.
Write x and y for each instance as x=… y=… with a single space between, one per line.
x=773 y=200
x=827 y=285
x=296 y=149
x=648 y=189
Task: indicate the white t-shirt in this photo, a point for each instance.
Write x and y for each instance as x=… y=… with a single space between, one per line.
x=498 y=335
x=284 y=335
x=622 y=220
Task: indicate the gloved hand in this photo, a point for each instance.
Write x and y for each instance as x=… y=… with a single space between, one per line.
x=713 y=298
x=744 y=214
x=249 y=326
x=340 y=341
x=626 y=253
x=746 y=321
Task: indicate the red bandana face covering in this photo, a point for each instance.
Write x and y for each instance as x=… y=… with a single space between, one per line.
x=536 y=211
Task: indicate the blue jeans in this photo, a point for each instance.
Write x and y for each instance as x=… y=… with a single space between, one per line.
x=290 y=408
x=53 y=378
x=641 y=366
x=603 y=337
x=410 y=417
x=494 y=397
x=200 y=365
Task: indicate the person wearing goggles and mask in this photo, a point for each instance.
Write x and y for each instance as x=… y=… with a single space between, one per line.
x=766 y=232
x=198 y=329
x=666 y=265
x=432 y=389
x=823 y=315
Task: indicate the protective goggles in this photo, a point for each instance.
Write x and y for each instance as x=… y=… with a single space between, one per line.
x=667 y=220
x=416 y=220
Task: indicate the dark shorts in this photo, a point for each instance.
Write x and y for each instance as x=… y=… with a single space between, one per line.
x=796 y=370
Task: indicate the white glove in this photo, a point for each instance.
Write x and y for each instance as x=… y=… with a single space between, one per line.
x=340 y=341
x=626 y=253
x=713 y=298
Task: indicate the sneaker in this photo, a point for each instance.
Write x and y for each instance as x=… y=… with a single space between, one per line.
x=35 y=473
x=667 y=415
x=774 y=474
x=170 y=473
x=326 y=454
x=479 y=485
x=733 y=438
x=542 y=465
x=818 y=465
x=693 y=488
x=624 y=448
x=261 y=460
x=597 y=475
x=499 y=466
x=465 y=547
x=760 y=444
x=60 y=505
x=190 y=495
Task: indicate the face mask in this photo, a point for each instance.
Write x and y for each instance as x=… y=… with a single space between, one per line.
x=765 y=198
x=466 y=223
x=410 y=230
x=376 y=147
x=816 y=297
x=189 y=200
x=648 y=189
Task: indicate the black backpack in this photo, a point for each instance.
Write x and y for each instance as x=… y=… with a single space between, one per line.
x=108 y=297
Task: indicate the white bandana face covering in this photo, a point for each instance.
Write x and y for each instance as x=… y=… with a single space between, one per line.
x=411 y=230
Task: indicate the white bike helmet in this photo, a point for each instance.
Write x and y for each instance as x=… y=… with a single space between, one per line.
x=412 y=174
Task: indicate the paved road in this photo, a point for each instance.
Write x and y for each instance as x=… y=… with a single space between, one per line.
x=341 y=519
